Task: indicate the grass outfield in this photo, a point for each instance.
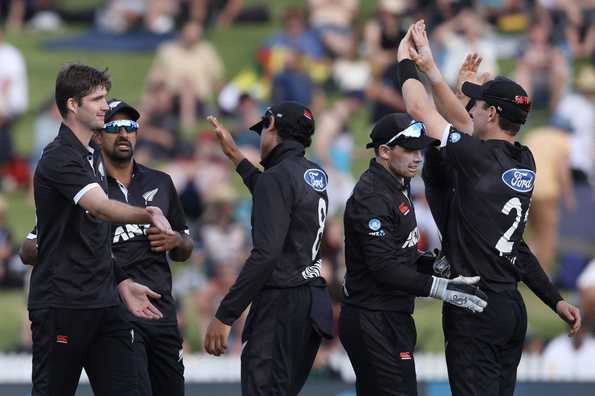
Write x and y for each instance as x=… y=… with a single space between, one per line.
x=237 y=46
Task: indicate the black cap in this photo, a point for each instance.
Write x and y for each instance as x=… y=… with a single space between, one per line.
x=292 y=114
x=509 y=98
x=388 y=130
x=119 y=106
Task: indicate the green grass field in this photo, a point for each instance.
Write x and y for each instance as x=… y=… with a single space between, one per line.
x=237 y=46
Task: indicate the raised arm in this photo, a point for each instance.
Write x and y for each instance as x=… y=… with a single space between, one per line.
x=245 y=168
x=417 y=102
x=446 y=101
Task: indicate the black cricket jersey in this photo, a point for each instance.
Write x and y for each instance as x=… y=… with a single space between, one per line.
x=288 y=216
x=75 y=267
x=381 y=238
x=479 y=192
x=130 y=245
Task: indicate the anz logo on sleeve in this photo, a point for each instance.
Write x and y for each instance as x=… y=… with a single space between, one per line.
x=521 y=180
x=127 y=232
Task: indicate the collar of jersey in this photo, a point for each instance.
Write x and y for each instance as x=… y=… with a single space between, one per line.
x=70 y=139
x=137 y=170
x=287 y=148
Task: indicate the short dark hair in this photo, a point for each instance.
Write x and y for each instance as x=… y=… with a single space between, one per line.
x=512 y=128
x=76 y=81
x=293 y=132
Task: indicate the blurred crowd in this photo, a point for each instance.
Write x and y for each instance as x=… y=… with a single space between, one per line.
x=327 y=55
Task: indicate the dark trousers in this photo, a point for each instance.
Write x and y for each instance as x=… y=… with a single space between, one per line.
x=158 y=352
x=280 y=343
x=380 y=346
x=67 y=340
x=484 y=350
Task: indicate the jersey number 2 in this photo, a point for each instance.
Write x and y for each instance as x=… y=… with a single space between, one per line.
x=321 y=214
x=504 y=245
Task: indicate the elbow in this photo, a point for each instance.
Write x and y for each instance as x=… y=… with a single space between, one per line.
x=181 y=254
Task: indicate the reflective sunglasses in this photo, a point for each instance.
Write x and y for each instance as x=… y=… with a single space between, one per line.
x=266 y=118
x=415 y=130
x=114 y=126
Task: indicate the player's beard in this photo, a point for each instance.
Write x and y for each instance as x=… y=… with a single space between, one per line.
x=121 y=156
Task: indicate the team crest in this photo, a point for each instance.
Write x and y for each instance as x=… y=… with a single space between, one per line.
x=316 y=178
x=149 y=195
x=374 y=224
x=520 y=180
x=114 y=104
x=454 y=137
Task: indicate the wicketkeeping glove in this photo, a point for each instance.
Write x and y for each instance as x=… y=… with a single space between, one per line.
x=433 y=263
x=460 y=291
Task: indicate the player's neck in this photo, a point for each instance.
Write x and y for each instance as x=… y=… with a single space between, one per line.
x=119 y=170
x=499 y=134
x=82 y=133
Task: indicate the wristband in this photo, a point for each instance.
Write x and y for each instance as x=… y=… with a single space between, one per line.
x=407 y=70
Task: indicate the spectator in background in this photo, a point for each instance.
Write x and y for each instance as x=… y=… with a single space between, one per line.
x=383 y=34
x=225 y=241
x=333 y=145
x=550 y=146
x=571 y=358
x=205 y=170
x=221 y=13
x=586 y=287
x=350 y=73
x=578 y=109
x=192 y=70
x=45 y=129
x=121 y=16
x=576 y=230
x=465 y=33
x=542 y=68
x=332 y=21
x=6 y=249
x=296 y=37
x=384 y=94
x=158 y=137
x=13 y=95
x=247 y=113
x=293 y=83
x=580 y=29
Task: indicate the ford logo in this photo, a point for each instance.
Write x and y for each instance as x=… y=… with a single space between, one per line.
x=316 y=178
x=520 y=180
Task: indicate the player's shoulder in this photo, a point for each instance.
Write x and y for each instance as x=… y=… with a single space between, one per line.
x=153 y=173
x=371 y=191
x=56 y=154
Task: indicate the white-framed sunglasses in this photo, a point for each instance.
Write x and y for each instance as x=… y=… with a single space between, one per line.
x=114 y=126
x=415 y=130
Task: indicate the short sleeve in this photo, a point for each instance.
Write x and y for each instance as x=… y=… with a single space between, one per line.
x=69 y=175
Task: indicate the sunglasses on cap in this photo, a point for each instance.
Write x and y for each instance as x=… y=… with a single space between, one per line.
x=266 y=118
x=115 y=126
x=415 y=130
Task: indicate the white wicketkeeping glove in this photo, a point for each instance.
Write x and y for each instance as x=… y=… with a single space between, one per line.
x=460 y=291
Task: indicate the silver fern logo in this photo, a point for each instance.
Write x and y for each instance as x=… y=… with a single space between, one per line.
x=149 y=195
